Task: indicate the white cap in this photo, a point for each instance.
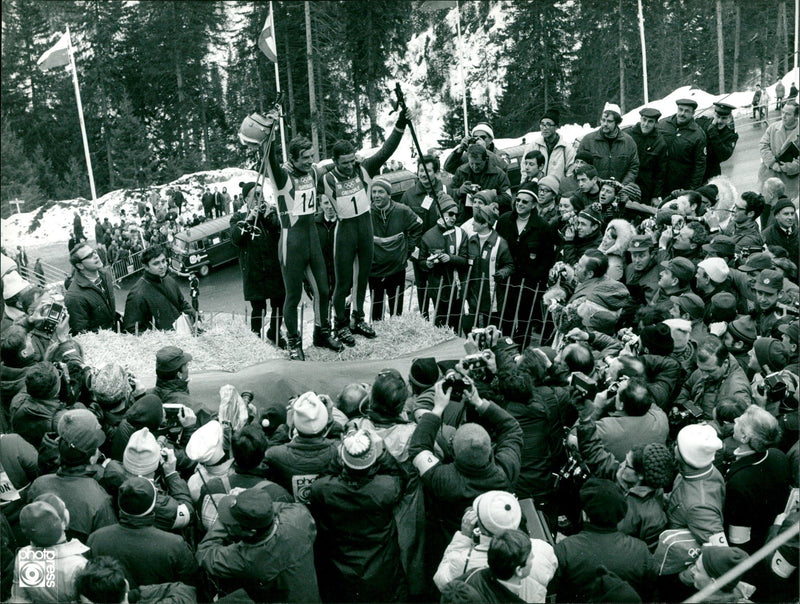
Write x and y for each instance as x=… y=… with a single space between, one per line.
x=716 y=269
x=13 y=284
x=612 y=107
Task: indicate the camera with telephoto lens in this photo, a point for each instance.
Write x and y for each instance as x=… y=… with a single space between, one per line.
x=574 y=472
x=584 y=385
x=457 y=383
x=481 y=337
x=773 y=387
x=54 y=315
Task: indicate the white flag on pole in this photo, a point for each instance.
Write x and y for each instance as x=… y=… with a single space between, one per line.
x=266 y=39
x=57 y=55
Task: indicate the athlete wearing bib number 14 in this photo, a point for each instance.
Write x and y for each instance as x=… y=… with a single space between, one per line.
x=346 y=186
x=295 y=187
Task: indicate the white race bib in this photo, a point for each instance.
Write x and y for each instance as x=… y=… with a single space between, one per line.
x=351 y=198
x=305 y=196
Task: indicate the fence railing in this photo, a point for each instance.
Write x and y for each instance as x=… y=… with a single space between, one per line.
x=47 y=275
x=127 y=266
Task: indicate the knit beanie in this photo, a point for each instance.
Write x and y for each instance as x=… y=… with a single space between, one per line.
x=584 y=156
x=472 y=446
x=603 y=501
x=424 y=373
x=205 y=446
x=309 y=414
x=552 y=114
x=142 y=453
x=551 y=182
x=697 y=444
x=497 y=511
x=383 y=184
x=592 y=214
x=783 y=202
x=716 y=269
x=80 y=429
x=146 y=412
x=41 y=524
x=657 y=339
x=360 y=450
x=137 y=496
x=487 y=196
x=482 y=127
x=659 y=466
x=632 y=191
x=710 y=192
x=531 y=188
x=609 y=587
x=743 y=328
x=771 y=352
x=446 y=202
x=718 y=559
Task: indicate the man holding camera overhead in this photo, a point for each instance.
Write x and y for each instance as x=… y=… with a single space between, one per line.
x=478 y=174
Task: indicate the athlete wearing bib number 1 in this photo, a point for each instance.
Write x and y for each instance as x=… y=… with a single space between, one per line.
x=346 y=186
x=295 y=187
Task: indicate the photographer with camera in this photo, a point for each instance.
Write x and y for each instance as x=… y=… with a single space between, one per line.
x=481 y=134
x=255 y=230
x=478 y=175
x=478 y=466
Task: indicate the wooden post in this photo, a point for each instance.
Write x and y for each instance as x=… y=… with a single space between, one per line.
x=720 y=49
x=312 y=95
x=17 y=203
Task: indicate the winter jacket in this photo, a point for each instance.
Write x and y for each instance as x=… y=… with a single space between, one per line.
x=643 y=285
x=747 y=234
x=696 y=502
x=19 y=461
x=663 y=376
x=533 y=250
x=645 y=518
x=771 y=145
x=733 y=387
x=542 y=422
x=326 y=229
x=620 y=433
x=12 y=381
x=489 y=587
x=580 y=556
x=258 y=257
x=453 y=486
x=459 y=157
x=67 y=558
x=32 y=418
x=91 y=307
x=357 y=545
x=296 y=465
x=775 y=236
x=686 y=155
x=652 y=151
x=463 y=555
x=89 y=505
x=613 y=156
x=721 y=144
x=453 y=242
x=415 y=198
x=572 y=250
x=279 y=568
x=396 y=232
x=174 y=509
x=154 y=303
x=148 y=555
x=556 y=163
x=167 y=593
x=491 y=264
x=491 y=178
x=756 y=490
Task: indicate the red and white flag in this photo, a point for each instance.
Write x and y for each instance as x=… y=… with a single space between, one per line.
x=57 y=55
x=266 y=39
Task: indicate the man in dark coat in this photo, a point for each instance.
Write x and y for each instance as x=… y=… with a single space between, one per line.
x=601 y=544
x=641 y=275
x=613 y=152
x=652 y=152
x=148 y=555
x=478 y=467
x=782 y=230
x=532 y=245
x=208 y=203
x=255 y=230
x=478 y=174
x=90 y=297
x=721 y=138
x=357 y=543
x=686 y=149
x=155 y=301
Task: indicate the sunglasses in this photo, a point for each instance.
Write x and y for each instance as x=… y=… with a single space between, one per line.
x=89 y=255
x=451 y=213
x=547 y=124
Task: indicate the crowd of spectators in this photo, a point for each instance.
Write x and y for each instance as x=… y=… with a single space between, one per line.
x=636 y=445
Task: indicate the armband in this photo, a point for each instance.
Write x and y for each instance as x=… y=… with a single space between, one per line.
x=424 y=461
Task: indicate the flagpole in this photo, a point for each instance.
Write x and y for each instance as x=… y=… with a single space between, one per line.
x=278 y=84
x=644 y=53
x=80 y=115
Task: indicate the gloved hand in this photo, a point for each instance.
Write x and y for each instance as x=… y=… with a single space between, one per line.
x=500 y=277
x=403 y=119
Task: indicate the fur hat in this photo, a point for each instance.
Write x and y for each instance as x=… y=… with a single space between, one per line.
x=205 y=446
x=497 y=511
x=472 y=446
x=697 y=444
x=142 y=453
x=310 y=416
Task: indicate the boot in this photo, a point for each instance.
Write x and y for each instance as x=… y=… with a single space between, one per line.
x=296 y=349
x=345 y=336
x=270 y=336
x=363 y=328
x=323 y=338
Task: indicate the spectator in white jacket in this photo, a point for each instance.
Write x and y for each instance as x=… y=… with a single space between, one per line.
x=558 y=155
